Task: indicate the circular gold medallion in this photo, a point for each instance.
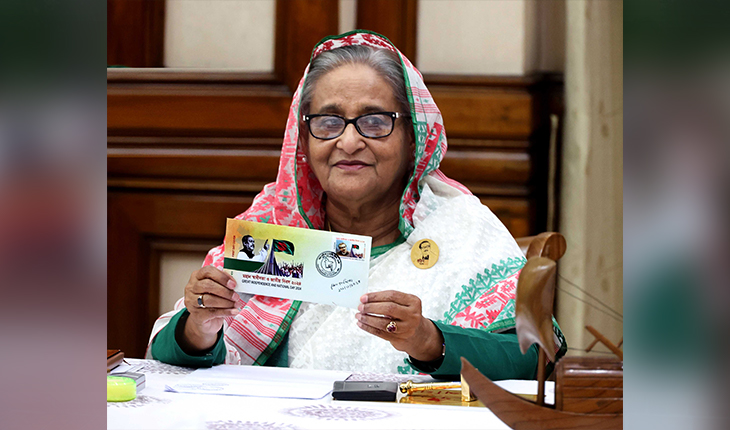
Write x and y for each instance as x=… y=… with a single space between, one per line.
x=424 y=254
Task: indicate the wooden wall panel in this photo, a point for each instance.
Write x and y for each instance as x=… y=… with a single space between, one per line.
x=488 y=166
x=233 y=110
x=394 y=19
x=300 y=24
x=135 y=33
x=223 y=164
x=495 y=167
x=137 y=223
x=127 y=282
x=474 y=112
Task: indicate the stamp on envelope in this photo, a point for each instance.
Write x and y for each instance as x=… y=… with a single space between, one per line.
x=328 y=264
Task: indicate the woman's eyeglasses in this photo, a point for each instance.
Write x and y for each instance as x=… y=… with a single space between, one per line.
x=371 y=125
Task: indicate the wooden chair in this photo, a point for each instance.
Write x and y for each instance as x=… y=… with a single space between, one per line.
x=549 y=244
x=588 y=391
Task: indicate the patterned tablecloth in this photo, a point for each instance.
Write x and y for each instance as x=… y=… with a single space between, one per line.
x=154 y=408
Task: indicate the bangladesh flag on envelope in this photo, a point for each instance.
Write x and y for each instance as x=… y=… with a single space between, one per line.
x=283 y=246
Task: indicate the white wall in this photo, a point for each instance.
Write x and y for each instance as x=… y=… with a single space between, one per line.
x=220 y=34
x=500 y=37
x=348 y=15
x=175 y=271
x=471 y=37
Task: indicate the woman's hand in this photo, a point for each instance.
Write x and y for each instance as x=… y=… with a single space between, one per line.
x=202 y=326
x=414 y=334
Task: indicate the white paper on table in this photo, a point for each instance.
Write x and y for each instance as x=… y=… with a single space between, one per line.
x=519 y=386
x=257 y=381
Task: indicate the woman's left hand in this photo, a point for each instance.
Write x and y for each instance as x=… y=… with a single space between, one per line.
x=414 y=334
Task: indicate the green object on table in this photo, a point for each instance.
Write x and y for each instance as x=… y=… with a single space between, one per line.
x=120 y=389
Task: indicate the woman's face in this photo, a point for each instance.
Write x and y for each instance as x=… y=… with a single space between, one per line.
x=353 y=168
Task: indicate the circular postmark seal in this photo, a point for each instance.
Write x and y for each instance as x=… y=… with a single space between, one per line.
x=328 y=264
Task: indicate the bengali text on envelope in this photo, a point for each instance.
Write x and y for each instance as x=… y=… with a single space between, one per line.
x=296 y=263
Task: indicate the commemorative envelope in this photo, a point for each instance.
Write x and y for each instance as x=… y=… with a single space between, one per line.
x=296 y=263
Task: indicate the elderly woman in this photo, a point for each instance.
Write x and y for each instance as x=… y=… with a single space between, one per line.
x=360 y=155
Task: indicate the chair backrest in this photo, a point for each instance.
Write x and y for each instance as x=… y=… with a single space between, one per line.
x=548 y=244
x=535 y=299
x=536 y=290
x=534 y=305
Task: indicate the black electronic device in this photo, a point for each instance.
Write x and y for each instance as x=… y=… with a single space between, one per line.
x=365 y=391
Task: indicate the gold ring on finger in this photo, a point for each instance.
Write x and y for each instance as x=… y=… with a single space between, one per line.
x=391 y=327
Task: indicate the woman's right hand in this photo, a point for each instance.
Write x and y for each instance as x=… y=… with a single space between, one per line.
x=203 y=323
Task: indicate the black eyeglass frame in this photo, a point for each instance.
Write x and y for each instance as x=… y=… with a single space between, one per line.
x=353 y=121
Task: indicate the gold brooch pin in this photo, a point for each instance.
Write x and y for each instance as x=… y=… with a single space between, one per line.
x=425 y=253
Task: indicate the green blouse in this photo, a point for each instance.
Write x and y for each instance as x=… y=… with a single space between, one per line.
x=496 y=355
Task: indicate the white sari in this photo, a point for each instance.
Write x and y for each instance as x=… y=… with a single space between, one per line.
x=470 y=239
